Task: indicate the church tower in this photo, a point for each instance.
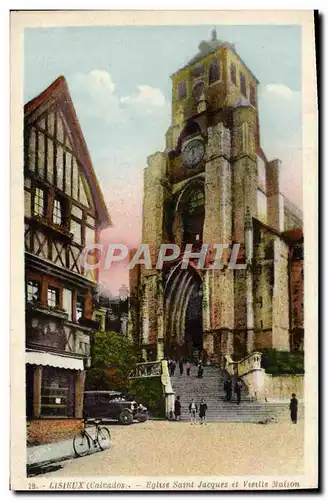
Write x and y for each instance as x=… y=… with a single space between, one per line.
x=211 y=185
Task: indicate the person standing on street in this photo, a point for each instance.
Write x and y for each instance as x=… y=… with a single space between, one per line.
x=181 y=366
x=238 y=386
x=173 y=366
x=293 y=408
x=177 y=408
x=202 y=411
x=192 y=410
x=200 y=370
x=188 y=369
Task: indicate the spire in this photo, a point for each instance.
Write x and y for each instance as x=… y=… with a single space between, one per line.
x=214 y=35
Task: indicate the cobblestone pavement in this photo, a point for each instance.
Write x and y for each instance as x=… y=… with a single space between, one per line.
x=178 y=448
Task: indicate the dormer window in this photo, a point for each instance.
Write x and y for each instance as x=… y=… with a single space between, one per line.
x=39 y=202
x=243 y=85
x=182 y=90
x=57 y=214
x=214 y=72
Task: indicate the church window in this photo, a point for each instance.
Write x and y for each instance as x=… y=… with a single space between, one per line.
x=182 y=90
x=252 y=95
x=243 y=84
x=57 y=215
x=214 y=73
x=39 y=205
x=196 y=200
x=233 y=73
x=261 y=325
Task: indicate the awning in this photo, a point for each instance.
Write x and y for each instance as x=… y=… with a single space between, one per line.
x=47 y=359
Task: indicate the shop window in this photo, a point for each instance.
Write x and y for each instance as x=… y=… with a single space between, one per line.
x=57 y=392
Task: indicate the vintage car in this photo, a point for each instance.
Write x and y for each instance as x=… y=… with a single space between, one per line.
x=113 y=405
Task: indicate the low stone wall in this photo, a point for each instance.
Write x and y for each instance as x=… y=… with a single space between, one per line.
x=42 y=431
x=282 y=386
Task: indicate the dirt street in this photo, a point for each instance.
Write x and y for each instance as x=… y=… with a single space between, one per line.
x=178 y=448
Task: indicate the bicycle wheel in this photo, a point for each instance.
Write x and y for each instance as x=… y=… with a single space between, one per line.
x=81 y=444
x=103 y=438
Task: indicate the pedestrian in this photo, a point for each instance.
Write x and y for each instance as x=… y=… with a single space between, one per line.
x=177 y=408
x=200 y=370
x=238 y=386
x=228 y=388
x=192 y=410
x=293 y=408
x=181 y=366
x=169 y=365
x=173 y=365
x=188 y=368
x=202 y=411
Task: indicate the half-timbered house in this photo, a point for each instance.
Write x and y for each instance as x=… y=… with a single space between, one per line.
x=64 y=212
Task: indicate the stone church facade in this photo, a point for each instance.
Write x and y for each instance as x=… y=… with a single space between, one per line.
x=214 y=185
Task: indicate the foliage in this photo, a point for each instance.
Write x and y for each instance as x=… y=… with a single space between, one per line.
x=149 y=392
x=113 y=359
x=282 y=362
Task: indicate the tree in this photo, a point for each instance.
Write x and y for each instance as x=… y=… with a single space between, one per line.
x=113 y=358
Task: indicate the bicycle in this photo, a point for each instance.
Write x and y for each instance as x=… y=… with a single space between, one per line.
x=83 y=441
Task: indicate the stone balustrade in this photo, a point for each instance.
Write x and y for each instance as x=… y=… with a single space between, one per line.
x=250 y=371
x=245 y=365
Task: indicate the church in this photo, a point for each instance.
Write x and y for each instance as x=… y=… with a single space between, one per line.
x=213 y=184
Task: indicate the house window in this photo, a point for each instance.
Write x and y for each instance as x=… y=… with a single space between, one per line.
x=39 y=204
x=57 y=392
x=197 y=71
x=252 y=95
x=79 y=307
x=53 y=296
x=57 y=214
x=243 y=84
x=33 y=291
x=182 y=90
x=233 y=73
x=197 y=90
x=214 y=73
x=261 y=325
x=67 y=302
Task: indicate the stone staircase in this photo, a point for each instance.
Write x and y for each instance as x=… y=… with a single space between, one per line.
x=210 y=387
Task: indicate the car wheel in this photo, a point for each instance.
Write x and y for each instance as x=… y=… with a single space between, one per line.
x=125 y=417
x=142 y=417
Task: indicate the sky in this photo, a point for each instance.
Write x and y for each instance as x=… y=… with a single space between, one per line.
x=119 y=80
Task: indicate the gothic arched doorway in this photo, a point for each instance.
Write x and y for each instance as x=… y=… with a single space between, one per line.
x=183 y=312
